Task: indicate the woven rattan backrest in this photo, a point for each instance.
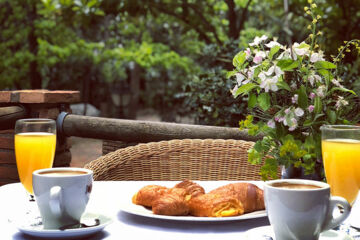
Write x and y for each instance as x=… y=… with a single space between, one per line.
x=195 y=159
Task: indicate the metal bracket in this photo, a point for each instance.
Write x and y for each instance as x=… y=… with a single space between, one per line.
x=60 y=126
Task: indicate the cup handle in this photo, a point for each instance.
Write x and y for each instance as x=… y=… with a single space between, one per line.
x=55 y=200
x=332 y=222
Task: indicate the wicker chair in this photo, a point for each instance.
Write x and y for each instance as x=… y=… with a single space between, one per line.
x=193 y=159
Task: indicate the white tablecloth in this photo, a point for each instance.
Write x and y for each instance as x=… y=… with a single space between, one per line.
x=107 y=197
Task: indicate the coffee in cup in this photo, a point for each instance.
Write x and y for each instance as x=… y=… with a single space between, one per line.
x=62 y=195
x=302 y=209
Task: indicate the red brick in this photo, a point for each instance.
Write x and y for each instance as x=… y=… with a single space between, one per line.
x=41 y=96
x=5 y=96
x=51 y=113
x=7 y=156
x=10 y=131
x=8 y=171
x=62 y=97
x=6 y=141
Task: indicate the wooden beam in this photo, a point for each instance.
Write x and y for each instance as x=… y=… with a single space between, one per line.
x=143 y=131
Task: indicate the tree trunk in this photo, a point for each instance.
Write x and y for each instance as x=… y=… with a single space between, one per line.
x=233 y=30
x=34 y=75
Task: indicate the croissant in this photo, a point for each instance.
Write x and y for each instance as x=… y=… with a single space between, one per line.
x=215 y=205
x=175 y=201
x=171 y=203
x=251 y=197
x=192 y=189
x=148 y=194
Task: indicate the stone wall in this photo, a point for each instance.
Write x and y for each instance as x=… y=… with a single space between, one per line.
x=39 y=104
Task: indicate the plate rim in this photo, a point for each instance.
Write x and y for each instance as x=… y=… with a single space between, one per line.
x=144 y=212
x=67 y=232
x=267 y=227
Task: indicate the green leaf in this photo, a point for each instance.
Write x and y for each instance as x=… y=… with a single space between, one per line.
x=239 y=59
x=273 y=51
x=332 y=116
x=231 y=73
x=287 y=64
x=307 y=123
x=245 y=89
x=343 y=90
x=326 y=74
x=252 y=100
x=264 y=101
x=284 y=85
x=302 y=97
x=324 y=65
x=317 y=105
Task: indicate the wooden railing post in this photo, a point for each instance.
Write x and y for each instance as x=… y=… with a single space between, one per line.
x=38 y=104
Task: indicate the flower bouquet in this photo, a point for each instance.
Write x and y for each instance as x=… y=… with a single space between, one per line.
x=291 y=92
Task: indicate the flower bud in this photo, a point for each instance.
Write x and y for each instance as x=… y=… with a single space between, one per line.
x=306 y=8
x=313 y=5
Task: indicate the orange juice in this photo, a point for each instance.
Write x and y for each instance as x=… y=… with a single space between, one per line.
x=341 y=159
x=33 y=150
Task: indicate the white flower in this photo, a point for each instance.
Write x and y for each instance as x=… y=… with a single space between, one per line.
x=258 y=40
x=301 y=49
x=271 y=123
x=239 y=78
x=273 y=69
x=341 y=102
x=286 y=54
x=315 y=57
x=273 y=44
x=314 y=78
x=259 y=57
x=250 y=73
x=293 y=124
x=336 y=83
x=321 y=91
x=233 y=91
x=268 y=83
x=248 y=53
x=294 y=99
x=299 y=112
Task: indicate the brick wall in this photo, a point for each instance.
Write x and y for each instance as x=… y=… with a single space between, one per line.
x=40 y=104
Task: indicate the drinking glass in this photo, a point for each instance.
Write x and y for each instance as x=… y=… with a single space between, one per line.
x=35 y=143
x=341 y=156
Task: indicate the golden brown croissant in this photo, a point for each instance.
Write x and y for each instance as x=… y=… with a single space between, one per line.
x=171 y=203
x=192 y=189
x=148 y=194
x=251 y=197
x=215 y=205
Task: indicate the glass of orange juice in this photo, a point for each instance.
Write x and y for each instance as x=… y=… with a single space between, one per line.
x=341 y=156
x=35 y=143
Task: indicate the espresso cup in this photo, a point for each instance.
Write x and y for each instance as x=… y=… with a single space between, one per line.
x=62 y=195
x=302 y=209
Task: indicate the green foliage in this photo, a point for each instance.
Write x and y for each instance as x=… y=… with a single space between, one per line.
x=182 y=48
x=293 y=91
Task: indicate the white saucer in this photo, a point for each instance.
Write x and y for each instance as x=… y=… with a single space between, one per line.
x=34 y=227
x=260 y=233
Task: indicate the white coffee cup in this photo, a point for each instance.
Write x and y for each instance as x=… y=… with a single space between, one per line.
x=62 y=195
x=300 y=212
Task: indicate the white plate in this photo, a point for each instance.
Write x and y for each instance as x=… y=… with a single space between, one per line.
x=145 y=212
x=260 y=233
x=34 y=227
